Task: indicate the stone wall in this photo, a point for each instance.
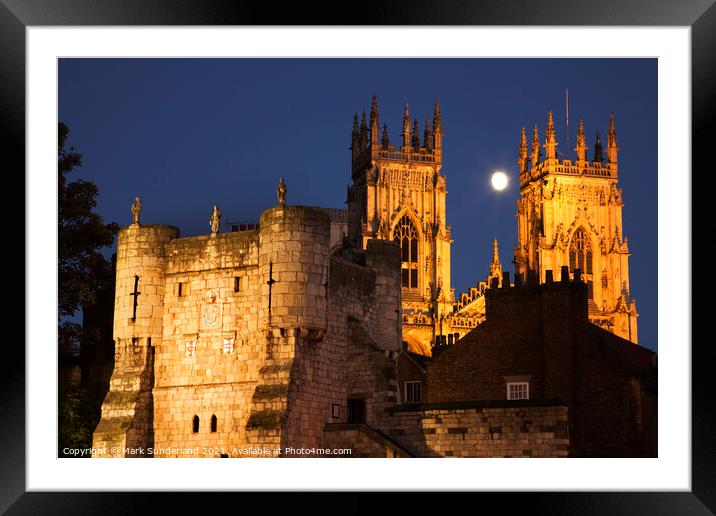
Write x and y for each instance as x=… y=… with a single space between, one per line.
x=364 y=319
x=474 y=429
x=127 y=411
x=362 y=440
x=211 y=352
x=126 y=421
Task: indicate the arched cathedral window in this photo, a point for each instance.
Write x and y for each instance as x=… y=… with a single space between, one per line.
x=407 y=237
x=580 y=257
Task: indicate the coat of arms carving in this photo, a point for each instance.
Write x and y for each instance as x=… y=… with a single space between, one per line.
x=210 y=310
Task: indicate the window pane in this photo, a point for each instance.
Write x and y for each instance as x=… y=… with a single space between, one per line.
x=518 y=391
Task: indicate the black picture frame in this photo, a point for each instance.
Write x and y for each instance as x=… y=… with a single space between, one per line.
x=16 y=15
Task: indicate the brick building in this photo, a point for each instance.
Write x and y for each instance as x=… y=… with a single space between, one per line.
x=538 y=344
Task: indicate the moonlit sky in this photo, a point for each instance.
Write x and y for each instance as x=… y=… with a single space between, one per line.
x=185 y=134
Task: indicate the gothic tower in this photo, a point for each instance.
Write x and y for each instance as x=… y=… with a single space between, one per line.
x=398 y=193
x=570 y=213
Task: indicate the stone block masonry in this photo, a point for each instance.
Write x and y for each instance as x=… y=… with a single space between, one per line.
x=265 y=340
x=482 y=429
x=240 y=339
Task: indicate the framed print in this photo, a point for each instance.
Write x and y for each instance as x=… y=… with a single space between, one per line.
x=254 y=308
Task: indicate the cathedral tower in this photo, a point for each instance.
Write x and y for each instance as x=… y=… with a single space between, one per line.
x=570 y=213
x=398 y=193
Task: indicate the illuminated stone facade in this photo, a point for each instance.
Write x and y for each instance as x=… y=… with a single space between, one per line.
x=288 y=334
x=398 y=193
x=570 y=213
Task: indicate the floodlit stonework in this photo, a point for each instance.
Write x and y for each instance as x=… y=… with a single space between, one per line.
x=301 y=331
x=570 y=213
x=399 y=193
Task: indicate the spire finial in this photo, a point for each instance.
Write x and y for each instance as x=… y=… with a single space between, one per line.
x=612 y=141
x=406 y=126
x=598 y=155
x=495 y=266
x=437 y=119
x=523 y=151
x=415 y=141
x=581 y=147
x=427 y=135
x=550 y=143
x=612 y=131
x=374 y=112
x=385 y=141
x=535 y=146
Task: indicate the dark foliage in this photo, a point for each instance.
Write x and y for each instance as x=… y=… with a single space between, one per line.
x=83 y=272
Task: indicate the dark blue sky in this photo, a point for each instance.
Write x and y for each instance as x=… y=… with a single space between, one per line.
x=185 y=134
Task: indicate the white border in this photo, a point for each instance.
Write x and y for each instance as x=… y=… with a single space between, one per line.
x=670 y=471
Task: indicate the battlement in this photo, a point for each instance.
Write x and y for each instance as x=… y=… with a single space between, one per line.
x=369 y=144
x=568 y=168
x=514 y=301
x=552 y=165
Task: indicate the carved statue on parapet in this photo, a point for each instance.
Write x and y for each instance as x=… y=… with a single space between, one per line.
x=215 y=220
x=281 y=192
x=136 y=209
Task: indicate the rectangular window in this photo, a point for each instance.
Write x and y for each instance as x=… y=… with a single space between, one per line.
x=237 y=284
x=518 y=390
x=180 y=290
x=413 y=392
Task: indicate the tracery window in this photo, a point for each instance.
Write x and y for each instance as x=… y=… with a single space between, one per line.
x=407 y=237
x=580 y=257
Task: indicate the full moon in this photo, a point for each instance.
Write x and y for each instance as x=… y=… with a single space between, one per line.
x=499 y=181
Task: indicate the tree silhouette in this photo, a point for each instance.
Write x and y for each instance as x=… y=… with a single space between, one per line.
x=84 y=277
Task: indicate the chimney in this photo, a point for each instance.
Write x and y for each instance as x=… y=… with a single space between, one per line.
x=548 y=278
x=565 y=274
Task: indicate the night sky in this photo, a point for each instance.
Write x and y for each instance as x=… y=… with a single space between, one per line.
x=185 y=134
